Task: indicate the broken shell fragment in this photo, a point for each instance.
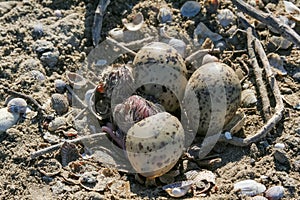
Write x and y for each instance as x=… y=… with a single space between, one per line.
x=190 y=9
x=7 y=119
x=69 y=153
x=179 y=45
x=57 y=123
x=249 y=187
x=275 y=193
x=178 y=189
x=277 y=64
x=136 y=24
x=248 y=98
x=226 y=17
x=75 y=80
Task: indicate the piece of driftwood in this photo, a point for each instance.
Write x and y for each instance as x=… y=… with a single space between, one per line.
x=258 y=72
x=268 y=19
x=55 y=147
x=98 y=19
x=279 y=108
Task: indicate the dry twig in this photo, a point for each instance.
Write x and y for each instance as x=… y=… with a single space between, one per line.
x=276 y=117
x=57 y=146
x=270 y=20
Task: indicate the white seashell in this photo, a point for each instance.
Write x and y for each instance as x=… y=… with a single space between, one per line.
x=226 y=17
x=209 y=58
x=136 y=24
x=116 y=33
x=164 y=15
x=7 y=119
x=17 y=105
x=178 y=189
x=248 y=98
x=58 y=122
x=75 y=80
x=190 y=9
x=179 y=45
x=275 y=193
x=203 y=32
x=249 y=187
x=279 y=146
x=277 y=63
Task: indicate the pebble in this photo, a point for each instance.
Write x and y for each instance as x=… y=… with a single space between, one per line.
x=60 y=86
x=37 y=75
x=50 y=58
x=59 y=103
x=179 y=45
x=38 y=30
x=7 y=119
x=164 y=15
x=275 y=193
x=281 y=157
x=190 y=9
x=42 y=46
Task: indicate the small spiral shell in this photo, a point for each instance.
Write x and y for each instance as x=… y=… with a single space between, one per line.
x=59 y=103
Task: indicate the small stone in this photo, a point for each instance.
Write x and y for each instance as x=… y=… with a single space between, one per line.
x=42 y=46
x=190 y=9
x=281 y=157
x=50 y=58
x=296 y=76
x=279 y=146
x=275 y=193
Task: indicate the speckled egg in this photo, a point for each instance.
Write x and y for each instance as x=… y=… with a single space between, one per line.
x=212 y=97
x=155 y=144
x=161 y=71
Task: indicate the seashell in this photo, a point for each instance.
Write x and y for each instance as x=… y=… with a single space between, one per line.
x=161 y=71
x=117 y=34
x=201 y=32
x=279 y=146
x=226 y=17
x=248 y=98
x=17 y=105
x=133 y=110
x=59 y=103
x=57 y=123
x=249 y=187
x=75 y=80
x=154 y=144
x=37 y=75
x=277 y=63
x=136 y=24
x=209 y=58
x=190 y=9
x=7 y=119
x=259 y=198
x=69 y=153
x=60 y=86
x=51 y=138
x=49 y=167
x=94 y=181
x=178 y=189
x=164 y=15
x=179 y=45
x=211 y=78
x=292 y=10
x=275 y=193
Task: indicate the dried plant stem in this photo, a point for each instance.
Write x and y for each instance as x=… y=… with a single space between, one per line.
x=57 y=146
x=270 y=20
x=258 y=74
x=24 y=96
x=276 y=117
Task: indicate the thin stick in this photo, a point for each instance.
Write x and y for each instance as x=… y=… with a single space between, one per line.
x=29 y=98
x=258 y=74
x=120 y=45
x=271 y=123
x=57 y=146
x=269 y=20
x=98 y=19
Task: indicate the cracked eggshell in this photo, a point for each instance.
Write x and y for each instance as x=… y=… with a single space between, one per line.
x=161 y=64
x=155 y=144
x=207 y=82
